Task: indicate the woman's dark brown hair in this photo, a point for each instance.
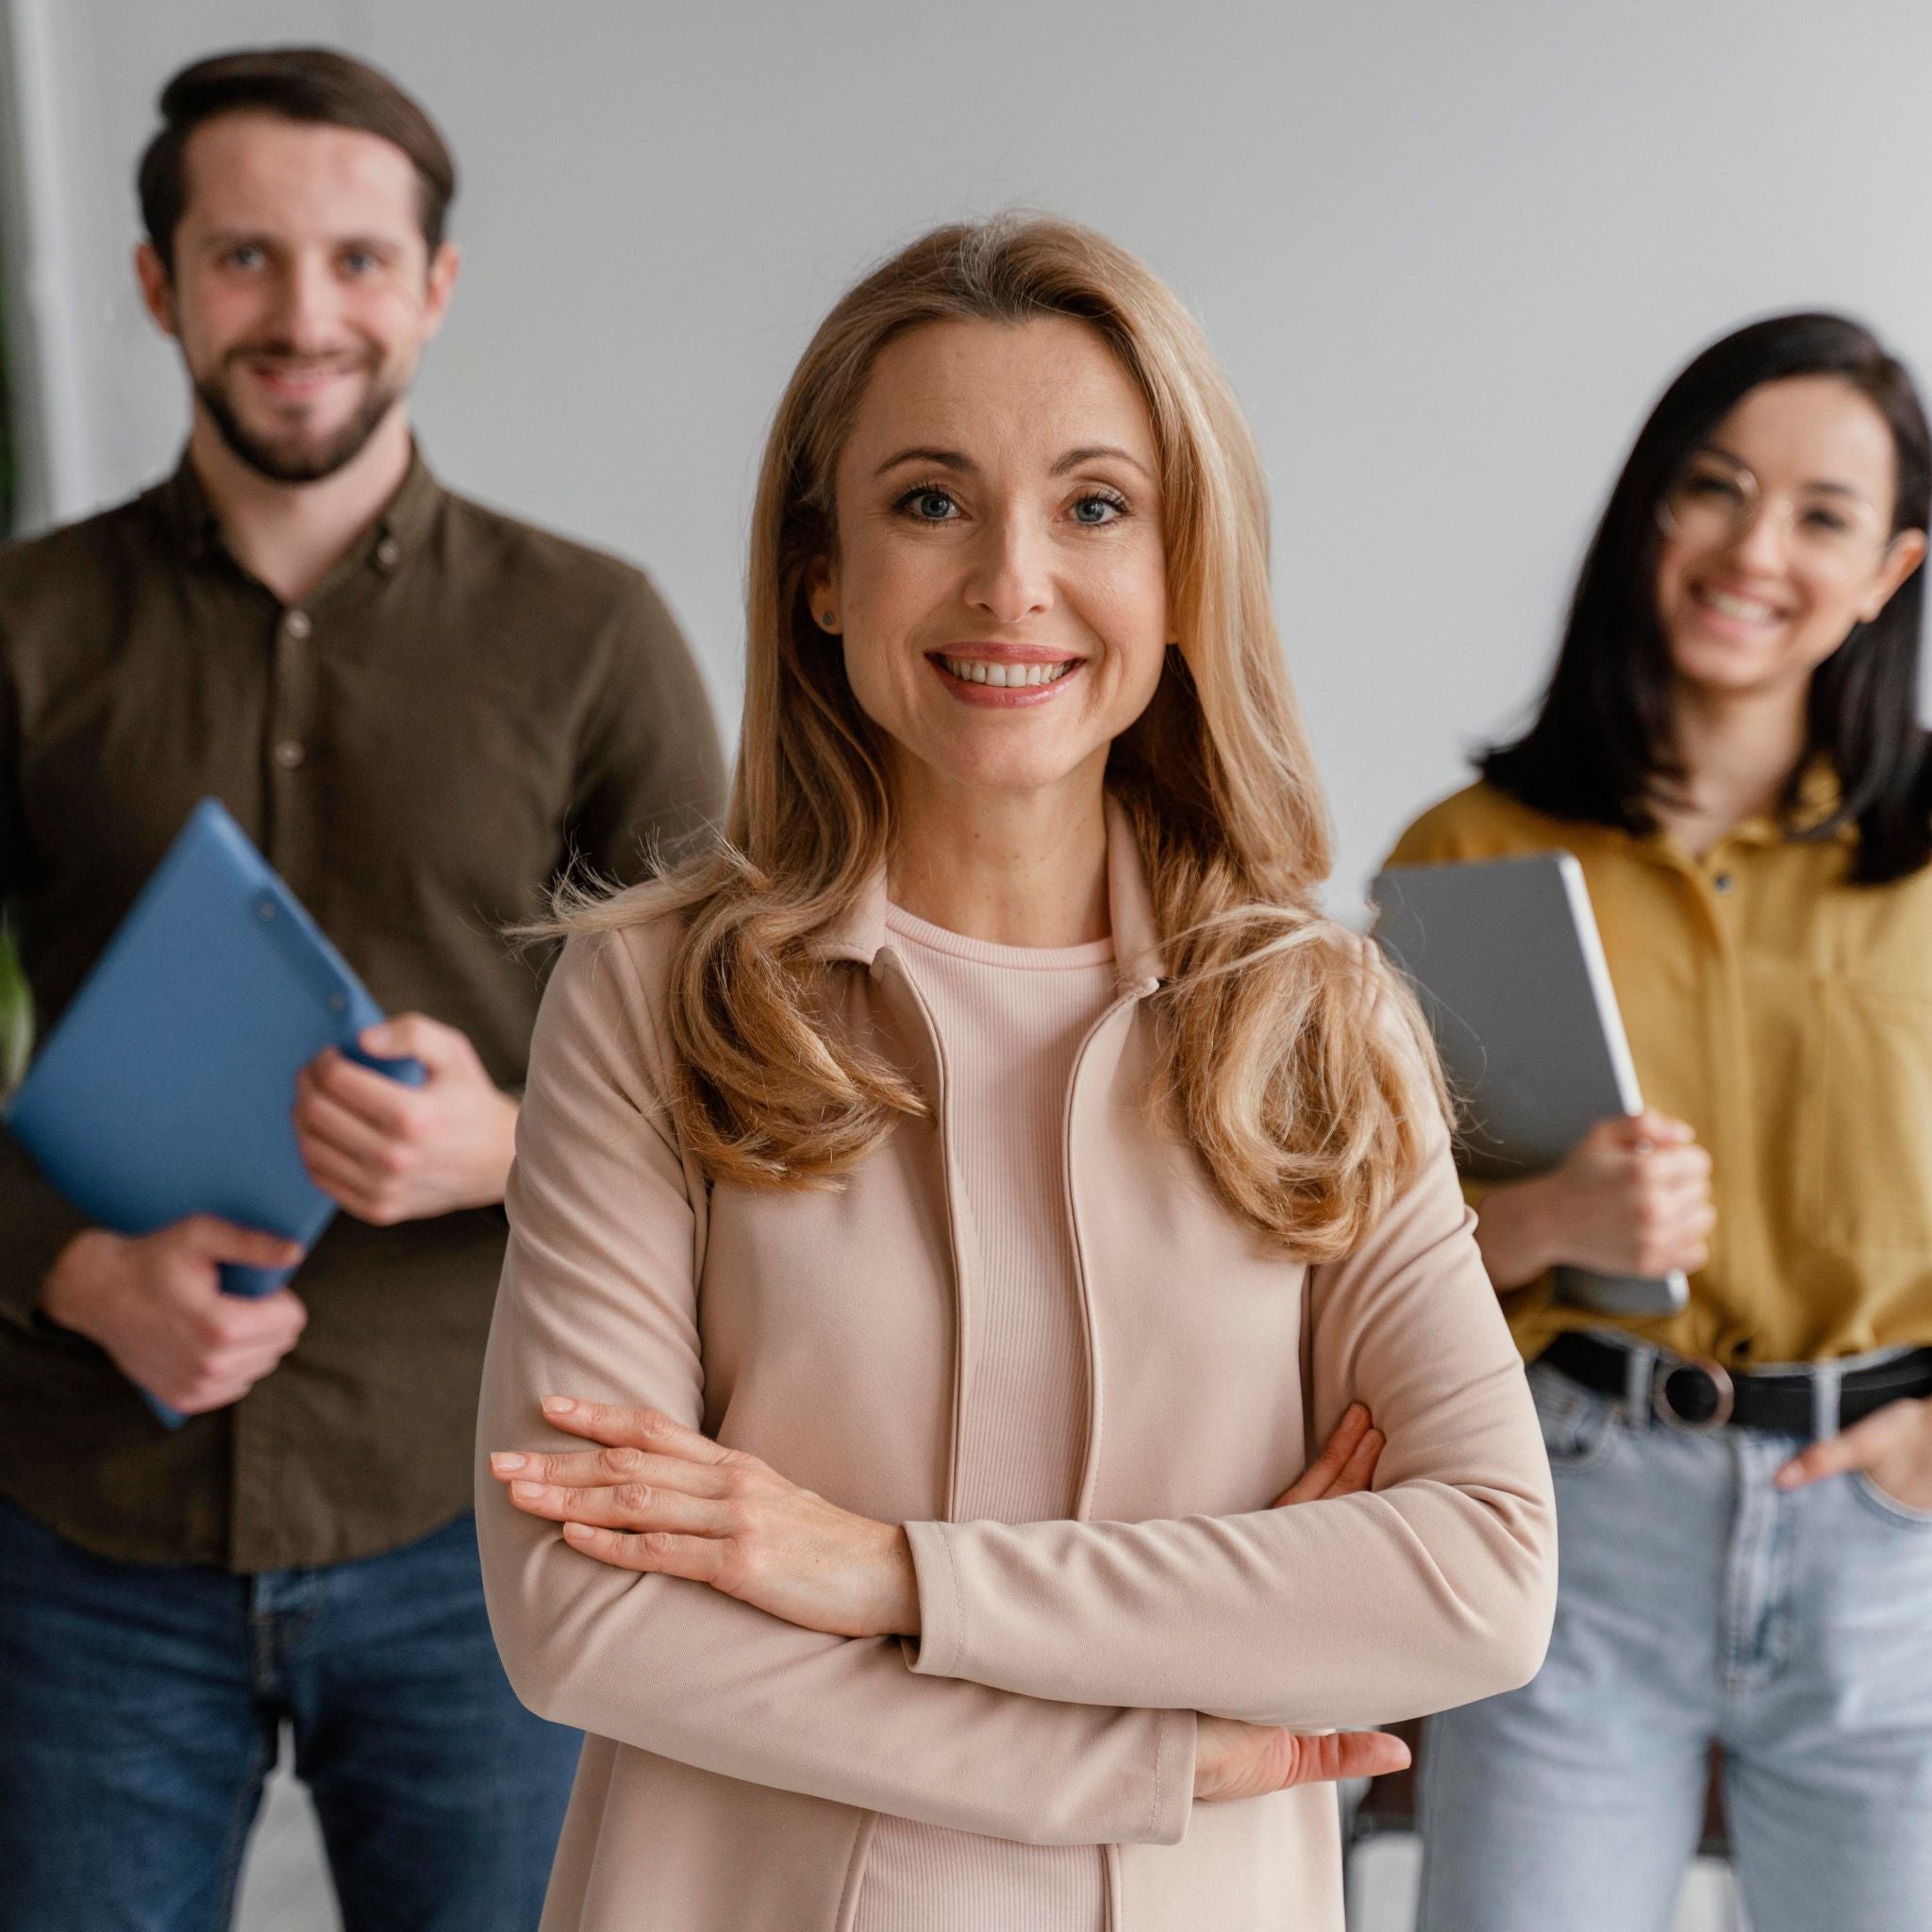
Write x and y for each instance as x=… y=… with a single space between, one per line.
x=313 y=84
x=1602 y=736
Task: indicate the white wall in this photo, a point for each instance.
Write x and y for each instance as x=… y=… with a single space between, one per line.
x=1449 y=253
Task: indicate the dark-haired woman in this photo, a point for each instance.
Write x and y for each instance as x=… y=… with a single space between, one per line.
x=1730 y=745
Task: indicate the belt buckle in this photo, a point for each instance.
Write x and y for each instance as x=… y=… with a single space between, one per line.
x=1724 y=1391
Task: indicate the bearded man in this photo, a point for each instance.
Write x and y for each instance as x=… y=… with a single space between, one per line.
x=422 y=710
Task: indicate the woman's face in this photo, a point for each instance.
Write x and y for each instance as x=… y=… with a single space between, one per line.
x=1777 y=537
x=1001 y=579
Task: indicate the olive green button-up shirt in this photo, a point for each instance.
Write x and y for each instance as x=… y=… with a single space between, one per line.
x=464 y=705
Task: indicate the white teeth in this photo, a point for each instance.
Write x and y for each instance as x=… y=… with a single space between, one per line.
x=976 y=671
x=1751 y=609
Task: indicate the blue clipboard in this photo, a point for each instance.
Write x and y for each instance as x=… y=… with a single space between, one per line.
x=168 y=1087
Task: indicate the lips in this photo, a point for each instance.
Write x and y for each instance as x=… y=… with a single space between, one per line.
x=1006 y=676
x=1740 y=605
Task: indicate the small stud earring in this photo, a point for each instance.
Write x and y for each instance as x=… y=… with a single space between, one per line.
x=825 y=619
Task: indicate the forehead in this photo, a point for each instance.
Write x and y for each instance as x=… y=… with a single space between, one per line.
x=1811 y=429
x=265 y=172
x=992 y=389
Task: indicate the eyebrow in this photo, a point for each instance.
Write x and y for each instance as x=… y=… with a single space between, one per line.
x=263 y=238
x=938 y=458
x=960 y=463
x=1821 y=486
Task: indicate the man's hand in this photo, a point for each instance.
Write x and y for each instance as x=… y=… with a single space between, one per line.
x=155 y=1304
x=391 y=1153
x=1892 y=1446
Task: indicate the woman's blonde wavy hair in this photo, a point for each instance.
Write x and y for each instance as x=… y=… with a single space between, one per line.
x=1296 y=1068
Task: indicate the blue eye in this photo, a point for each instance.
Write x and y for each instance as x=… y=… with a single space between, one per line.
x=1097 y=509
x=929 y=504
x=246 y=255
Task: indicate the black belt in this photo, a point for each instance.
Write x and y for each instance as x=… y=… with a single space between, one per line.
x=1695 y=1394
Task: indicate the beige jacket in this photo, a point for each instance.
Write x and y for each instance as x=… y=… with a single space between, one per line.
x=735 y=1763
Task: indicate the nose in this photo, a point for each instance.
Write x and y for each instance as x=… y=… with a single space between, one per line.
x=305 y=303
x=1763 y=542
x=1011 y=575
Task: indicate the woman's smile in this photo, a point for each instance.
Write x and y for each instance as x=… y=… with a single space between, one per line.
x=1004 y=676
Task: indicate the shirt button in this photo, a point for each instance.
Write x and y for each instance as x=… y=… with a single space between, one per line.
x=1722 y=883
x=289 y=754
x=298 y=625
x=387 y=552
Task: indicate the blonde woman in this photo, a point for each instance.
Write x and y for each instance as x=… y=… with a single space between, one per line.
x=947 y=1216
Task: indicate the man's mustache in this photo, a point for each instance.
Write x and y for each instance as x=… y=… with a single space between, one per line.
x=286 y=355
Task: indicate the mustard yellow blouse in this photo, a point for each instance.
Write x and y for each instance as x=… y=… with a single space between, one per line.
x=1785 y=1015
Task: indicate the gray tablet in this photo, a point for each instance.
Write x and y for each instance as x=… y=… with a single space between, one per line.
x=1506 y=956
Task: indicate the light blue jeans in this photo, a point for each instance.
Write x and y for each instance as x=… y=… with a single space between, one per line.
x=1697 y=1602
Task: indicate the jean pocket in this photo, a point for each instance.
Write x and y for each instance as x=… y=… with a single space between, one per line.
x=1578 y=1423
x=1883 y=1503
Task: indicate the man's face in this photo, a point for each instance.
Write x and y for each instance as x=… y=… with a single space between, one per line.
x=302 y=290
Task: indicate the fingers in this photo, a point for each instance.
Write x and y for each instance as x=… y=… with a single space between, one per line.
x=637 y=1428
x=1651 y=1130
x=215 y=1240
x=1359 y=1474
x=269 y=1321
x=415 y=1036
x=698 y=1557
x=1865 y=1442
x=633 y=1506
x=1346 y=1465
x=594 y=1468
x=349 y=1183
x=1342 y=1443
x=323 y=1117
x=382 y=1105
x=1339 y=1754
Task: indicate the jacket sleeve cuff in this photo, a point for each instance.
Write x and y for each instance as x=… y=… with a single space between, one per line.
x=941 y=1644
x=40 y=1222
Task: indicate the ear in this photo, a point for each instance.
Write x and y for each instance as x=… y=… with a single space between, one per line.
x=441 y=284
x=157 y=287
x=822 y=593
x=1905 y=554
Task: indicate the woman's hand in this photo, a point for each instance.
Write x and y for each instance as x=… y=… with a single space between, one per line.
x=1633 y=1197
x=1237 y=1760
x=655 y=1496
x=1893 y=1446
x=662 y=1498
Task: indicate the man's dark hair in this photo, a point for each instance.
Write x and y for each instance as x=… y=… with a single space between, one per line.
x=1603 y=733
x=314 y=84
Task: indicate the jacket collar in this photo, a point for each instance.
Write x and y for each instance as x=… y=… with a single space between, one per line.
x=859 y=936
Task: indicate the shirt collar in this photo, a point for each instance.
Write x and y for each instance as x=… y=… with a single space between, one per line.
x=1819 y=797
x=400 y=528
x=860 y=935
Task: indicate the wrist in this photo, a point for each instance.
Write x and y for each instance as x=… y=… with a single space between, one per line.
x=895 y=1581
x=1513 y=1231
x=493 y=1173
x=82 y=1271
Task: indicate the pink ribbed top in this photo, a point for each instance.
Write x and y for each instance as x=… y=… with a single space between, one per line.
x=1013 y=1018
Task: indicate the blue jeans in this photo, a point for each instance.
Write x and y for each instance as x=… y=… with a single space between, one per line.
x=1696 y=1603
x=140 y=1709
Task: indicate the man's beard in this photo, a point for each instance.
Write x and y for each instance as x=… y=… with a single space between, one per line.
x=304 y=463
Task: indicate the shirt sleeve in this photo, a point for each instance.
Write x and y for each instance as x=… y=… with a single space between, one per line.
x=1433 y=1590
x=651 y=776
x=599 y=1299
x=38 y=1219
